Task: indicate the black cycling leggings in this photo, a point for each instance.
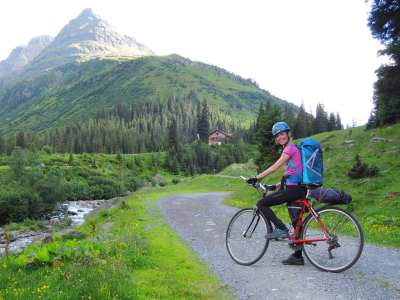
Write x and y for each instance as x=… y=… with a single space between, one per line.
x=291 y=193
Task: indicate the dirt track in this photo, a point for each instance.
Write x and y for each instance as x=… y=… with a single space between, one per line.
x=201 y=221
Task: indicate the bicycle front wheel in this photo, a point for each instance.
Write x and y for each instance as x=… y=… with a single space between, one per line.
x=345 y=246
x=245 y=239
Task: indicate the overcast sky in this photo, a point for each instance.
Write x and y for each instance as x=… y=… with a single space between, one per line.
x=311 y=50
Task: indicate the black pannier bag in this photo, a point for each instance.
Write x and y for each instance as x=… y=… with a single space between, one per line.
x=294 y=209
x=331 y=196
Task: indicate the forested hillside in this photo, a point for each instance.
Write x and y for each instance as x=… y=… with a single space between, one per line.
x=78 y=90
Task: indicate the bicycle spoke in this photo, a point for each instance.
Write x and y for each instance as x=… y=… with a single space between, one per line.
x=336 y=224
x=343 y=248
x=245 y=248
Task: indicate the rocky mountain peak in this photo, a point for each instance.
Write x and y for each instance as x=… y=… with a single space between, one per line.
x=85 y=37
x=89 y=14
x=90 y=35
x=22 y=55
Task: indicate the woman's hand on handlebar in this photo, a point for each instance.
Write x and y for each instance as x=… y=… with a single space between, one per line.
x=271 y=187
x=252 y=180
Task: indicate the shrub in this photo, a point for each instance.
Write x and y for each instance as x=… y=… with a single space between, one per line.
x=16 y=206
x=79 y=190
x=76 y=163
x=361 y=169
x=34 y=225
x=175 y=181
x=96 y=192
x=133 y=183
x=103 y=213
x=163 y=183
x=151 y=179
x=47 y=150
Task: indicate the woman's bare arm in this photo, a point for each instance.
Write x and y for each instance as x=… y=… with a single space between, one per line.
x=275 y=167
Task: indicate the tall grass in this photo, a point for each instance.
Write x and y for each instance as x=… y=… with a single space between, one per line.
x=142 y=259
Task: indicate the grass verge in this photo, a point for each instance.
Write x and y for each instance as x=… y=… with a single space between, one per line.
x=141 y=258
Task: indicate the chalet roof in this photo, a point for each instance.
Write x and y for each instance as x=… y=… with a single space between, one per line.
x=224 y=133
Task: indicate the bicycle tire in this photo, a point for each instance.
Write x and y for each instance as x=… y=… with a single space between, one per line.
x=250 y=249
x=348 y=241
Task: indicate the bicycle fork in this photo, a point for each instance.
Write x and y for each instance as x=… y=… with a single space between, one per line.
x=255 y=214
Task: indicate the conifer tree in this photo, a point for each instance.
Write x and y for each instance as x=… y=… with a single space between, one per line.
x=71 y=159
x=10 y=143
x=339 y=125
x=309 y=121
x=332 y=122
x=204 y=122
x=32 y=148
x=173 y=136
x=261 y=112
x=321 y=119
x=174 y=166
x=268 y=105
x=152 y=146
x=288 y=117
x=20 y=140
x=2 y=145
x=143 y=147
x=268 y=151
x=385 y=27
x=300 y=127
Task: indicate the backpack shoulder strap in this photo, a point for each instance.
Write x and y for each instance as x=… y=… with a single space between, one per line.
x=290 y=161
x=296 y=177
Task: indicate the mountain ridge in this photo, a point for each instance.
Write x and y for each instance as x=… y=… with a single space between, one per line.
x=85 y=37
x=22 y=55
x=88 y=66
x=72 y=91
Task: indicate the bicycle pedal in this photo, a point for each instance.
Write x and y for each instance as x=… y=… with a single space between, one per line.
x=280 y=240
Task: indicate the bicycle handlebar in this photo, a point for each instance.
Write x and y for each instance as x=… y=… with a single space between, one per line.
x=259 y=186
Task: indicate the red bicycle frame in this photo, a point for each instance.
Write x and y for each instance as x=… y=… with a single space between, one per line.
x=306 y=206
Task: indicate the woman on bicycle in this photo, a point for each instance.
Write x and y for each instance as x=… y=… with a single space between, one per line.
x=289 y=187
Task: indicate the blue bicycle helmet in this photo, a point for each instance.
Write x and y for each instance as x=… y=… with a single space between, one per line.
x=278 y=127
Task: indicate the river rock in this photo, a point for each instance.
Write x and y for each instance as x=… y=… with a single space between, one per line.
x=374 y=134
x=392 y=141
x=363 y=180
x=147 y=183
x=102 y=235
x=348 y=142
x=378 y=140
x=40 y=238
x=392 y=195
x=389 y=152
x=69 y=231
x=159 y=177
x=107 y=226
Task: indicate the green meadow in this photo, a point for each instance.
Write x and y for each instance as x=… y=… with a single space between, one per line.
x=144 y=259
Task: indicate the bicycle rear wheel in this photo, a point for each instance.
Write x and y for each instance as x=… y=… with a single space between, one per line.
x=245 y=239
x=345 y=246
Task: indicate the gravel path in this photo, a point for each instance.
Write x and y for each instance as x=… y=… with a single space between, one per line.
x=201 y=221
